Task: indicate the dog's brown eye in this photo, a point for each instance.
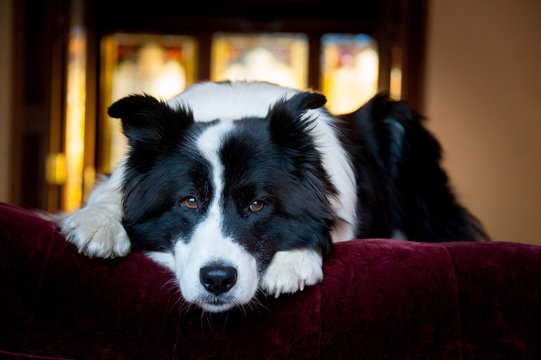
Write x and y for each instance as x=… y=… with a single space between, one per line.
x=257 y=206
x=190 y=202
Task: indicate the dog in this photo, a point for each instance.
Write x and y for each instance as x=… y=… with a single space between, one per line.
x=241 y=186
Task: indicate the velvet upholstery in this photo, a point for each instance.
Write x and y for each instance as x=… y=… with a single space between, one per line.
x=380 y=299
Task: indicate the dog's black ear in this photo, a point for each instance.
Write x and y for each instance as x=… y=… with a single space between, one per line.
x=288 y=126
x=304 y=101
x=149 y=122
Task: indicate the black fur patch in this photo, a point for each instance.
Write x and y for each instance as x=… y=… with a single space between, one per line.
x=401 y=183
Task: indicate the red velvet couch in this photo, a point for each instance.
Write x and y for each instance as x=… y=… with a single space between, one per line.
x=380 y=299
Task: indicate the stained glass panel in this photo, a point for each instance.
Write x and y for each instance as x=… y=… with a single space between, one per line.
x=159 y=65
x=277 y=58
x=349 y=68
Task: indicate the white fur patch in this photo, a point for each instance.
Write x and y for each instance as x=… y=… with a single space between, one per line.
x=231 y=101
x=208 y=245
x=97 y=232
x=165 y=259
x=96 y=229
x=291 y=271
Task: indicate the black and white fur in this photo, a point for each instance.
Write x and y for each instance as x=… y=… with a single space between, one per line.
x=245 y=185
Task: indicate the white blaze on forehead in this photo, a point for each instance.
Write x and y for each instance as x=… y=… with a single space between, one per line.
x=209 y=144
x=208 y=243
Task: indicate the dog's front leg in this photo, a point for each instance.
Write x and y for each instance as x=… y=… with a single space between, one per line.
x=97 y=229
x=292 y=270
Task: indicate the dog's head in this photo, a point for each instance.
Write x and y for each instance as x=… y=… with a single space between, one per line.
x=222 y=197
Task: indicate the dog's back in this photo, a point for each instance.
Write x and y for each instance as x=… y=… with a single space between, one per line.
x=402 y=188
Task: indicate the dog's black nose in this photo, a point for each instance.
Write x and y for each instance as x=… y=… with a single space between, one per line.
x=218 y=279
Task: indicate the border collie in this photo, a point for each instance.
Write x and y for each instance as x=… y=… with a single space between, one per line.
x=240 y=186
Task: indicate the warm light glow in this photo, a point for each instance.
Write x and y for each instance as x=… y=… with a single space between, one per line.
x=349 y=71
x=75 y=119
x=149 y=71
x=158 y=65
x=55 y=169
x=395 y=86
x=395 y=90
x=281 y=59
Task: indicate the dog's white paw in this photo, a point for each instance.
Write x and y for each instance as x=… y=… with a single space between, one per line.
x=97 y=232
x=292 y=270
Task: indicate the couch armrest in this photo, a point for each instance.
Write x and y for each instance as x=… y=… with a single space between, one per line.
x=379 y=299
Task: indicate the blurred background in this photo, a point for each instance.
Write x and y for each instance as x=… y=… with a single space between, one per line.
x=471 y=67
